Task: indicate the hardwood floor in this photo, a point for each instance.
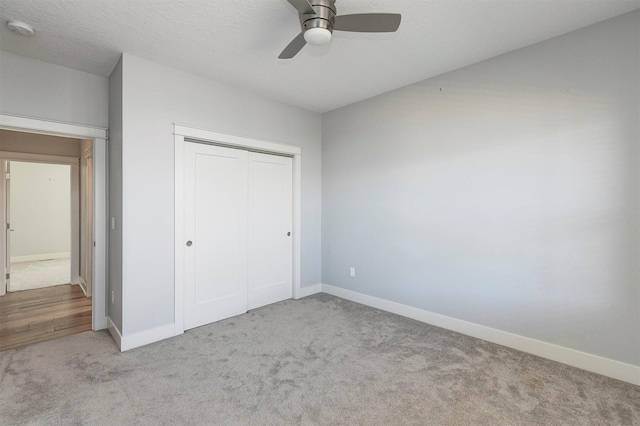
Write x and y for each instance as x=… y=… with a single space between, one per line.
x=33 y=316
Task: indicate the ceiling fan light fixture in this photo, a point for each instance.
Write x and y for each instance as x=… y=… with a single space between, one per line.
x=318 y=20
x=317 y=36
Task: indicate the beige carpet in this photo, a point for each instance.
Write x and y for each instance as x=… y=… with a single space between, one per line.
x=39 y=274
x=316 y=361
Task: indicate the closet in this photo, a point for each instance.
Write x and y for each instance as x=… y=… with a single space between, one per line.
x=238 y=252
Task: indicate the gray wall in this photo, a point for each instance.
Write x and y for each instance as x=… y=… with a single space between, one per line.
x=505 y=193
x=114 y=286
x=37 y=89
x=155 y=97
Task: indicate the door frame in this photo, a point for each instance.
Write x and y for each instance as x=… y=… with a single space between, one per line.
x=86 y=226
x=184 y=134
x=99 y=136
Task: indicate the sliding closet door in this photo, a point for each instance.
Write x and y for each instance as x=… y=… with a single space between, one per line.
x=216 y=233
x=270 y=226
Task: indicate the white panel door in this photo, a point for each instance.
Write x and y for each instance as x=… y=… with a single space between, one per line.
x=216 y=233
x=270 y=227
x=7 y=226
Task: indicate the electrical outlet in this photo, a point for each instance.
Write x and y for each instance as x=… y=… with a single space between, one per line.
x=352 y=272
x=113 y=297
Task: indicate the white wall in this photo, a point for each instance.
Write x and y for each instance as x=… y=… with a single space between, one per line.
x=114 y=286
x=505 y=193
x=40 y=209
x=154 y=98
x=37 y=89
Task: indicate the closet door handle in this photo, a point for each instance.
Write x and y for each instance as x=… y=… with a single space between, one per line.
x=288 y=234
x=189 y=243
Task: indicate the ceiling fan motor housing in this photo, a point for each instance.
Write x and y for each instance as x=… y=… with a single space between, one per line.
x=318 y=20
x=323 y=18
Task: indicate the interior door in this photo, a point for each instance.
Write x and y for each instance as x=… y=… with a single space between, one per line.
x=86 y=225
x=89 y=238
x=216 y=233
x=7 y=217
x=9 y=229
x=270 y=227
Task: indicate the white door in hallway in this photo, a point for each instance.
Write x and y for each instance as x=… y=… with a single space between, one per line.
x=216 y=233
x=270 y=227
x=6 y=167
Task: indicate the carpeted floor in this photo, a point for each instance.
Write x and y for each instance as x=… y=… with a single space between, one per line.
x=316 y=361
x=39 y=274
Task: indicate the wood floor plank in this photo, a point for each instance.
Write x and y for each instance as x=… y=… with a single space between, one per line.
x=29 y=295
x=33 y=316
x=34 y=301
x=44 y=309
x=41 y=337
x=6 y=330
x=42 y=292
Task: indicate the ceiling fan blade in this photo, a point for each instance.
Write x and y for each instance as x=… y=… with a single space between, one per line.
x=294 y=47
x=303 y=6
x=368 y=22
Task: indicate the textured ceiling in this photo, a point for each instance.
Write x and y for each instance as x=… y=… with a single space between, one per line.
x=238 y=42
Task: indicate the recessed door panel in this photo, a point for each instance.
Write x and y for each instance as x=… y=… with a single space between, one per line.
x=216 y=233
x=270 y=228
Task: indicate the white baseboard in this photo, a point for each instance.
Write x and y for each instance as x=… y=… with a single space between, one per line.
x=142 y=338
x=308 y=291
x=606 y=367
x=115 y=333
x=100 y=323
x=146 y=337
x=38 y=257
x=83 y=285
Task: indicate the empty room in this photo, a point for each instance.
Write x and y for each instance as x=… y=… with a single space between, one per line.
x=326 y=211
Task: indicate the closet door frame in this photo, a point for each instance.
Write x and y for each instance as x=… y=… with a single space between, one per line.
x=190 y=134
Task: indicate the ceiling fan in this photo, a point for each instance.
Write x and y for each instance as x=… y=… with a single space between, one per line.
x=318 y=21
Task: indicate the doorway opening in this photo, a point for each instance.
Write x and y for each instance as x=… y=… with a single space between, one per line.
x=47 y=204
x=98 y=137
x=38 y=211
